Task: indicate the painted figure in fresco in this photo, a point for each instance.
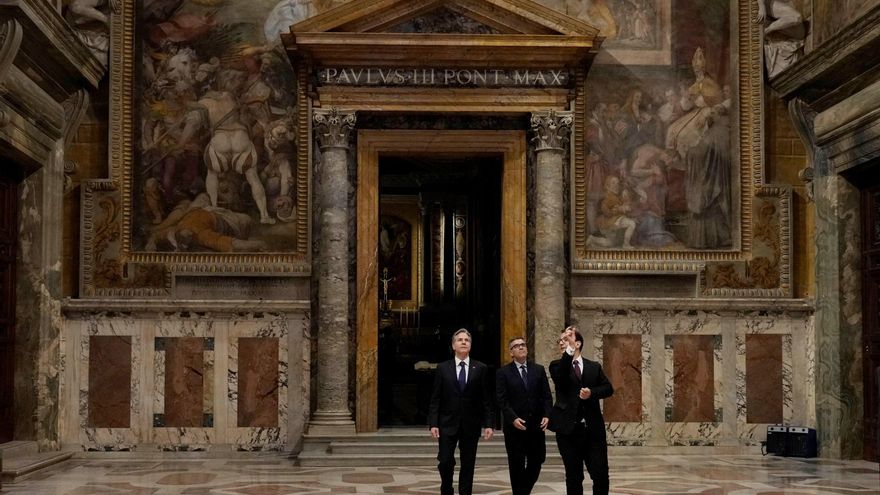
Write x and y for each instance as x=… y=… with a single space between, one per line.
x=784 y=33
x=615 y=211
x=198 y=224
x=708 y=187
x=595 y=12
x=230 y=147
x=701 y=96
x=278 y=174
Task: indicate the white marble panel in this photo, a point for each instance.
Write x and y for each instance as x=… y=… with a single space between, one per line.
x=110 y=438
x=173 y=439
x=258 y=438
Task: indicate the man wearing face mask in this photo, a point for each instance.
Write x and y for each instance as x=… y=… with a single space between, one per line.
x=523 y=394
x=576 y=417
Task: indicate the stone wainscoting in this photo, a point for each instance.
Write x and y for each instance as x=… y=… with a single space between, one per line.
x=211 y=376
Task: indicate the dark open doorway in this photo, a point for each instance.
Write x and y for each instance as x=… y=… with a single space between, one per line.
x=439 y=240
x=8 y=241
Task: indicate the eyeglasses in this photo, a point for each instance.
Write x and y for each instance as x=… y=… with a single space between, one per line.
x=517 y=346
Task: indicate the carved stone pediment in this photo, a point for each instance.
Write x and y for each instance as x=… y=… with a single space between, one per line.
x=464 y=33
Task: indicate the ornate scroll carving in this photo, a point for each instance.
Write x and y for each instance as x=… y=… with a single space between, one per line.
x=10 y=42
x=74 y=111
x=802 y=115
x=552 y=130
x=333 y=128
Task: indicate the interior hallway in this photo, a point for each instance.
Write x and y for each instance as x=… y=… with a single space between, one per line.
x=272 y=474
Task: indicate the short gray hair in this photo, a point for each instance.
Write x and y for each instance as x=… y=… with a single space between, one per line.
x=461 y=330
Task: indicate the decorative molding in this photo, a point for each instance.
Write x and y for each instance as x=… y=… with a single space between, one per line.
x=10 y=44
x=552 y=130
x=672 y=304
x=803 y=117
x=333 y=128
x=74 y=111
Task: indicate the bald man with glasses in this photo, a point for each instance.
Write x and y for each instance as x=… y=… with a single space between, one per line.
x=524 y=399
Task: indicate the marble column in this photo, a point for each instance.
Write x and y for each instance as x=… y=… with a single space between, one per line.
x=551 y=131
x=333 y=415
x=838 y=317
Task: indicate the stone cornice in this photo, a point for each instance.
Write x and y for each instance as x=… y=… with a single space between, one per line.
x=74 y=308
x=770 y=305
x=832 y=72
x=51 y=48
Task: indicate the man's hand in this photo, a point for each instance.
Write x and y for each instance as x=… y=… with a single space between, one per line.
x=585 y=393
x=435 y=432
x=544 y=423
x=568 y=337
x=519 y=424
x=487 y=433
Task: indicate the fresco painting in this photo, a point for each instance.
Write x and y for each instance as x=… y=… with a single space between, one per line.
x=214 y=153
x=660 y=173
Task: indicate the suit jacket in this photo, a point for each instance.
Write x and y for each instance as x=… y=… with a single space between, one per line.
x=515 y=401
x=455 y=411
x=569 y=408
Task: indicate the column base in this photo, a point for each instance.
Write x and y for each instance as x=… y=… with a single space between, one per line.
x=331 y=423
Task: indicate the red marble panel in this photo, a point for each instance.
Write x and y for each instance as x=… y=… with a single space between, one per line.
x=622 y=363
x=693 y=382
x=764 y=378
x=184 y=382
x=109 y=382
x=258 y=382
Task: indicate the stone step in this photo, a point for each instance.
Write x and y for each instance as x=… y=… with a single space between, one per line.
x=21 y=467
x=17 y=448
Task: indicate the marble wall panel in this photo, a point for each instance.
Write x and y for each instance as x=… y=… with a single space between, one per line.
x=97 y=437
x=193 y=342
x=636 y=328
x=184 y=381
x=251 y=428
x=763 y=378
x=693 y=378
x=622 y=363
x=257 y=382
x=109 y=400
x=783 y=395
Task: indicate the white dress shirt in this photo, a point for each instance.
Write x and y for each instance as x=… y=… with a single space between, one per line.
x=467 y=366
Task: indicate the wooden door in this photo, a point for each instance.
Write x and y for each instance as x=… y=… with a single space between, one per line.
x=8 y=241
x=871 y=315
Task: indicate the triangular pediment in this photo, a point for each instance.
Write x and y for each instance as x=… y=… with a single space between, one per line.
x=443 y=20
x=511 y=17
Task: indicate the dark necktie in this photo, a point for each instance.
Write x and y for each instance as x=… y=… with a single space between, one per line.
x=524 y=374
x=577 y=369
x=462 y=378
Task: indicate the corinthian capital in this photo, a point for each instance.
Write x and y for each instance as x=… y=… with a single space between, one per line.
x=551 y=130
x=332 y=128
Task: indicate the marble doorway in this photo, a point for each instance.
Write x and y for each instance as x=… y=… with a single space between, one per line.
x=374 y=145
x=8 y=241
x=439 y=263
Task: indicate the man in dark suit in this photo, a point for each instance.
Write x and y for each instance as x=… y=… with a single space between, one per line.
x=461 y=407
x=576 y=417
x=524 y=399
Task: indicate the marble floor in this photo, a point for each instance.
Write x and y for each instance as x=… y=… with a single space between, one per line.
x=275 y=475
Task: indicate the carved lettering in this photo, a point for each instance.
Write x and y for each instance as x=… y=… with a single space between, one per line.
x=397 y=76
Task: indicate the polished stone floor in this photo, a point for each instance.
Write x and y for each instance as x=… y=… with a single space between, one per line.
x=275 y=475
